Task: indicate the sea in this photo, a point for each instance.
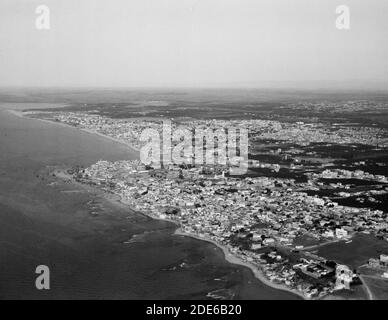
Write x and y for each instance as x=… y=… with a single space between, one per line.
x=112 y=254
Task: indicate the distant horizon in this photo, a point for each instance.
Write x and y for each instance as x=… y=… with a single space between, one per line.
x=197 y=95
x=271 y=85
x=194 y=44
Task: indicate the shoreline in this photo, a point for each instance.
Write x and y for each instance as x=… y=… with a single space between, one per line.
x=233 y=259
x=229 y=257
x=24 y=114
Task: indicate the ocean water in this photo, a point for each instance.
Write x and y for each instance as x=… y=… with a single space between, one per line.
x=47 y=223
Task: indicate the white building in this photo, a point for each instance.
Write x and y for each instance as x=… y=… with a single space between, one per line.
x=344 y=277
x=341 y=233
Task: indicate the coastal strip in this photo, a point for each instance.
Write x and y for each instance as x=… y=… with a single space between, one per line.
x=24 y=114
x=233 y=259
x=229 y=257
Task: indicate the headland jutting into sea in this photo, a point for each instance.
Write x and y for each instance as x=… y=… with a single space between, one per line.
x=101 y=245
x=269 y=250
x=64 y=175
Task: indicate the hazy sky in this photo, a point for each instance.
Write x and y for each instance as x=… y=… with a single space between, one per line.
x=192 y=43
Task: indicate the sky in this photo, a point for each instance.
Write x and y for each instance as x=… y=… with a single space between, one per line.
x=193 y=43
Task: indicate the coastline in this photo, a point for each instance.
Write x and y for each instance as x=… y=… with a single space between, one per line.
x=258 y=274
x=24 y=114
x=236 y=260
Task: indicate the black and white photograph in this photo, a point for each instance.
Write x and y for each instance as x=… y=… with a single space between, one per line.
x=212 y=151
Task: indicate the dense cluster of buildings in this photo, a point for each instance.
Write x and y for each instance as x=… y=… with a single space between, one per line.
x=352 y=106
x=303 y=134
x=261 y=220
x=127 y=131
x=347 y=174
x=299 y=133
x=249 y=216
